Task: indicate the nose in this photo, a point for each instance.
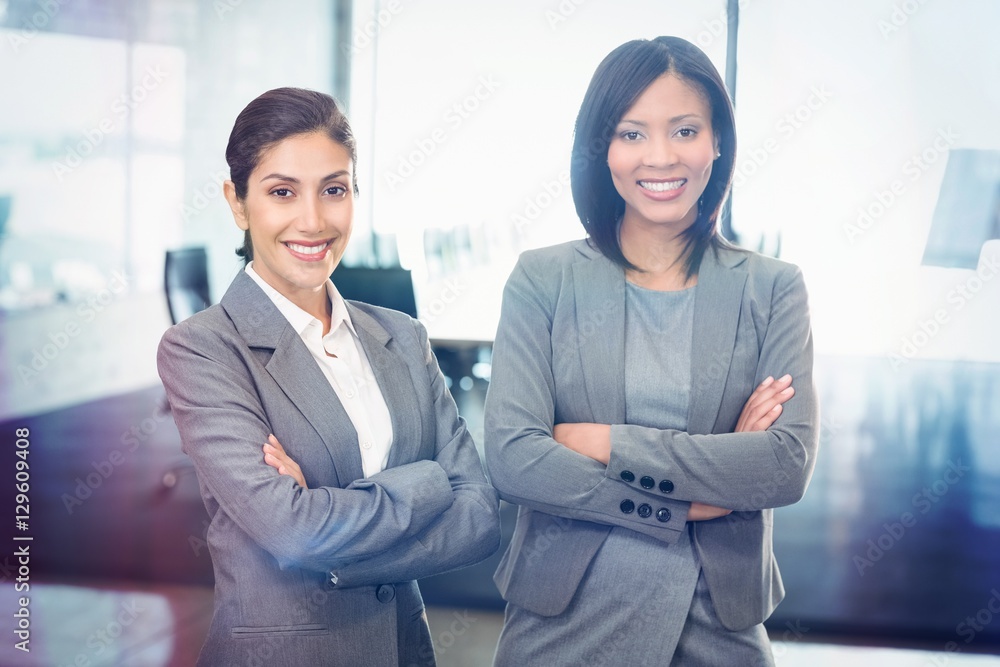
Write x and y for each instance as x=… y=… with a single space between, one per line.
x=310 y=219
x=659 y=152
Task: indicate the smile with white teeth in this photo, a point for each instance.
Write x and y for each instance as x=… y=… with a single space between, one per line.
x=662 y=187
x=308 y=250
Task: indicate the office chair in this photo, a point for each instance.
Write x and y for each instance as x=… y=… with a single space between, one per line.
x=185 y=281
x=386 y=287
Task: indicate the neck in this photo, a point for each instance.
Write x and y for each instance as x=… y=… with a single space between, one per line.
x=316 y=303
x=321 y=309
x=658 y=252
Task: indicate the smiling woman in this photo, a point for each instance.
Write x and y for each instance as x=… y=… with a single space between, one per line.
x=331 y=457
x=302 y=213
x=660 y=158
x=648 y=445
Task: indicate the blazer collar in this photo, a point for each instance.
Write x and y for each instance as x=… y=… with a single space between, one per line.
x=393 y=377
x=293 y=368
x=254 y=315
x=599 y=290
x=599 y=293
x=717 y=303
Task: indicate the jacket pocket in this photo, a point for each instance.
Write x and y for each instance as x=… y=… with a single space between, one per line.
x=306 y=630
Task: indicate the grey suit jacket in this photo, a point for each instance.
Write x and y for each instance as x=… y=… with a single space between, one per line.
x=238 y=371
x=559 y=357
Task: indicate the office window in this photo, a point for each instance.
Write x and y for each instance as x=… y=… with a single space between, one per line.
x=113 y=131
x=465 y=117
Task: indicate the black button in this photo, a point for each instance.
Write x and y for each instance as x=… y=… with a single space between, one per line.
x=666 y=486
x=385 y=593
x=627 y=506
x=663 y=514
x=647 y=482
x=645 y=510
x=628 y=476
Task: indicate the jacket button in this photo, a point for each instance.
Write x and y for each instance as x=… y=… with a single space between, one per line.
x=627 y=506
x=663 y=514
x=645 y=510
x=647 y=482
x=666 y=486
x=628 y=476
x=385 y=593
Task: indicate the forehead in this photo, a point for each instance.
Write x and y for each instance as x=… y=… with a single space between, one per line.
x=672 y=95
x=304 y=154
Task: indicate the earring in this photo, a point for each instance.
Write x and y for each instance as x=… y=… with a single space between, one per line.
x=718 y=154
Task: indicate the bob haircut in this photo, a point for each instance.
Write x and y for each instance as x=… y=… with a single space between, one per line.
x=272 y=118
x=619 y=80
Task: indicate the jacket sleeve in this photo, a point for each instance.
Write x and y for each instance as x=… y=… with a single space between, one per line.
x=223 y=427
x=465 y=533
x=526 y=465
x=743 y=471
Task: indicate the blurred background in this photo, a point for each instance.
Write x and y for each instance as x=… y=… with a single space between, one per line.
x=869 y=156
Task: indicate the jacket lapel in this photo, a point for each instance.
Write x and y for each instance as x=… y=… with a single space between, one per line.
x=393 y=377
x=599 y=290
x=293 y=368
x=721 y=279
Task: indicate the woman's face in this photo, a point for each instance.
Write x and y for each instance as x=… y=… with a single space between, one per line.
x=661 y=154
x=299 y=209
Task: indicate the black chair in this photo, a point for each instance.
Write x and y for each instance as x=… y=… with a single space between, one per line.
x=388 y=287
x=185 y=280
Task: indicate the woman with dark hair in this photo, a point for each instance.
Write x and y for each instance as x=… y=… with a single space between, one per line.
x=633 y=410
x=331 y=457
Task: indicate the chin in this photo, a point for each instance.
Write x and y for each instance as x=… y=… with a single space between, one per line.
x=680 y=221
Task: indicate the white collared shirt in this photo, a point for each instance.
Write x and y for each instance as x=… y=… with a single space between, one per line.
x=349 y=372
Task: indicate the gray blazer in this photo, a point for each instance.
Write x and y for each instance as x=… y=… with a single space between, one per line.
x=238 y=371
x=559 y=357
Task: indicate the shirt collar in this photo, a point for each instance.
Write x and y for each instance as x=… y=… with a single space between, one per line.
x=298 y=318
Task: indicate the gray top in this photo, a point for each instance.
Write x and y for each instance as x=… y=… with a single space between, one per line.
x=560 y=352
x=658 y=331
x=637 y=591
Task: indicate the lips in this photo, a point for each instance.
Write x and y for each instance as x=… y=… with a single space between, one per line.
x=662 y=186
x=309 y=251
x=662 y=190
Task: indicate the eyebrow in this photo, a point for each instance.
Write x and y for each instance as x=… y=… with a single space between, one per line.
x=675 y=119
x=292 y=179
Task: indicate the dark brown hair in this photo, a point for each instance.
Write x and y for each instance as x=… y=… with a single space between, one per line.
x=619 y=80
x=272 y=118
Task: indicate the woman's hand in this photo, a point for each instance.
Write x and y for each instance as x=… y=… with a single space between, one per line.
x=764 y=404
x=275 y=456
x=591 y=440
x=703 y=512
x=760 y=411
